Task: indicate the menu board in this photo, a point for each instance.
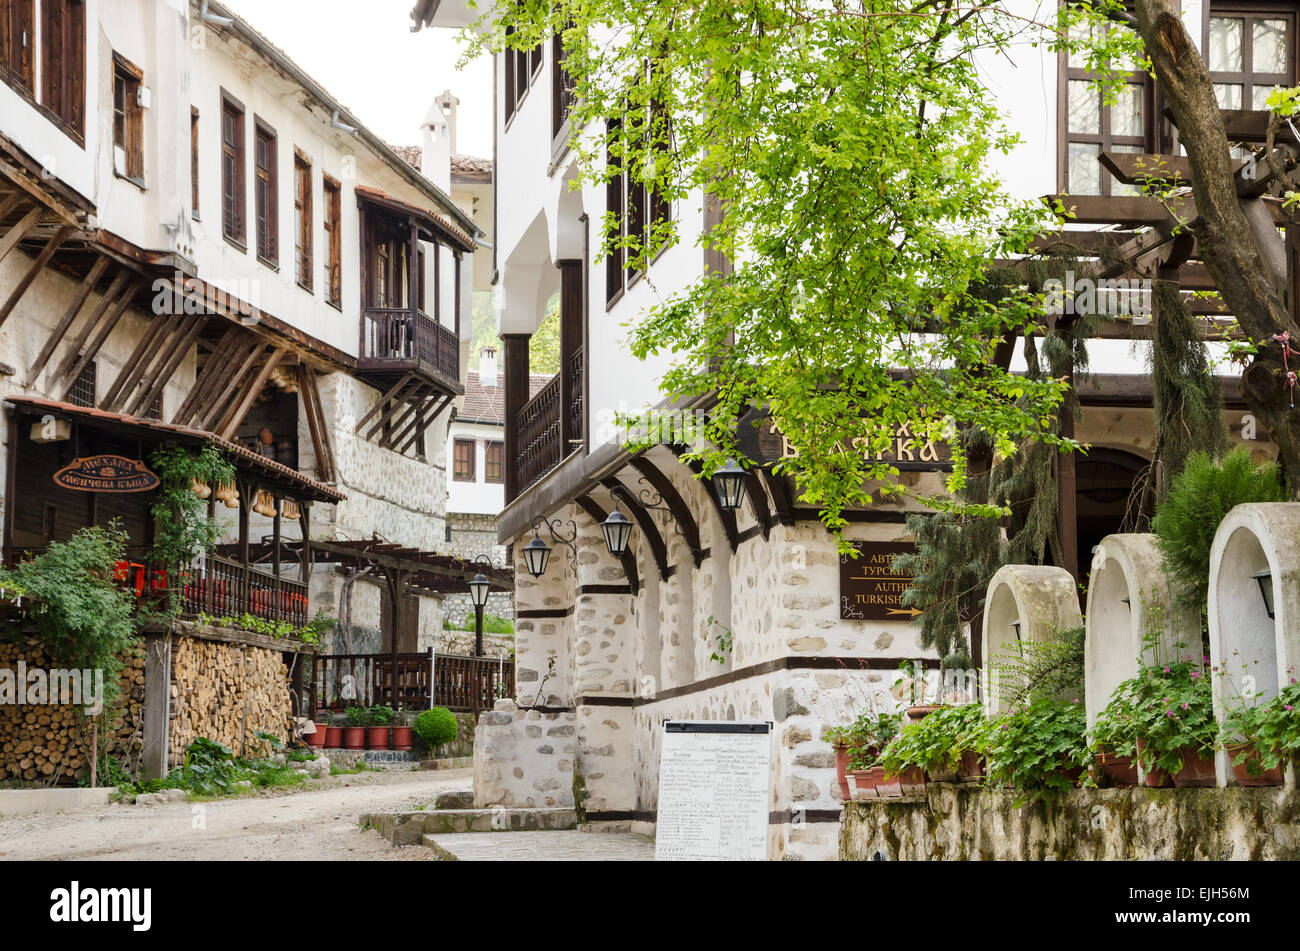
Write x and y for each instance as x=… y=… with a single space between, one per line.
x=714 y=791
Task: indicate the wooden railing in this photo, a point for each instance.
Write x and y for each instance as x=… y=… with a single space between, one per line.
x=409 y=336
x=537 y=429
x=462 y=684
x=575 y=398
x=225 y=588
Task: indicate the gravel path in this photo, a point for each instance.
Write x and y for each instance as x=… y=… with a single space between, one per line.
x=317 y=821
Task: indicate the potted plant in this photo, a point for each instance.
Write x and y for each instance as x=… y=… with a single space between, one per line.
x=931 y=748
x=435 y=727
x=838 y=738
x=333 y=737
x=1261 y=739
x=316 y=738
x=354 y=735
x=1172 y=720
x=1114 y=742
x=1038 y=747
x=378 y=718
x=868 y=735
x=402 y=737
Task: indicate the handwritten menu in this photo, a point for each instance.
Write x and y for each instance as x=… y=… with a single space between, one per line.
x=714 y=791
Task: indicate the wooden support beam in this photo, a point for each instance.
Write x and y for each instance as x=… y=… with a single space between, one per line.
x=19 y=231
x=780 y=492
x=312 y=389
x=315 y=426
x=24 y=282
x=646 y=522
x=69 y=317
x=686 y=523
x=10 y=203
x=79 y=341
x=394 y=406
x=106 y=327
x=410 y=422
x=758 y=501
x=225 y=353
x=208 y=416
x=404 y=417
x=129 y=374
x=728 y=519
x=393 y=391
x=240 y=409
x=185 y=338
x=628 y=558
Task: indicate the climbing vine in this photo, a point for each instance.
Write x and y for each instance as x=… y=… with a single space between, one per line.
x=182 y=527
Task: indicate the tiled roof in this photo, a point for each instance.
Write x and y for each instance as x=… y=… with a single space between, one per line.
x=487 y=404
x=243 y=457
x=460 y=164
x=448 y=229
x=410 y=154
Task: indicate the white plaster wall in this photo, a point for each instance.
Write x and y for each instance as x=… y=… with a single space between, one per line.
x=479 y=497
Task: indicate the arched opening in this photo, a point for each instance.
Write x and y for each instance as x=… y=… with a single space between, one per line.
x=1104 y=499
x=1247 y=641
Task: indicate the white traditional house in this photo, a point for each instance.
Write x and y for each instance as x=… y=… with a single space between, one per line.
x=616 y=645
x=199 y=244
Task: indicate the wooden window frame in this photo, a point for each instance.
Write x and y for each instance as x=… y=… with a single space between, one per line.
x=234 y=196
x=1247 y=79
x=500 y=447
x=561 y=101
x=332 y=222
x=194 y=163
x=63 y=65
x=522 y=67
x=304 y=256
x=471 y=474
x=18 y=61
x=266 y=194
x=131 y=80
x=1104 y=139
x=615 y=204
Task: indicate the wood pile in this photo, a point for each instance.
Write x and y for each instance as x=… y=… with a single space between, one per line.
x=226 y=692
x=51 y=743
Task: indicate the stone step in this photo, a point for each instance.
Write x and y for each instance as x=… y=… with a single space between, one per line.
x=409 y=828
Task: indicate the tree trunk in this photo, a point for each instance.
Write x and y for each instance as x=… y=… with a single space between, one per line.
x=1242 y=269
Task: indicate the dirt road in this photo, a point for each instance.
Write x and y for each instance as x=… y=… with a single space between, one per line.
x=315 y=823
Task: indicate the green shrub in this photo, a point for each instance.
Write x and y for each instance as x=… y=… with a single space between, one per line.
x=935 y=742
x=380 y=715
x=869 y=734
x=1033 y=747
x=357 y=716
x=436 y=727
x=1189 y=514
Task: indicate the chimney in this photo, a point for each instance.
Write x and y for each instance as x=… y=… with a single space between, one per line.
x=487 y=367
x=438 y=134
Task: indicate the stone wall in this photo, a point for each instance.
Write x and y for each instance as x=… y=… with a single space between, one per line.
x=960 y=823
x=524 y=758
x=225 y=692
x=47 y=743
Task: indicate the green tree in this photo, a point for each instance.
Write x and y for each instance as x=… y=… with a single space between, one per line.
x=849 y=146
x=544 y=345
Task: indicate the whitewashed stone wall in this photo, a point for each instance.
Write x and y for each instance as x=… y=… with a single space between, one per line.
x=538 y=641
x=524 y=758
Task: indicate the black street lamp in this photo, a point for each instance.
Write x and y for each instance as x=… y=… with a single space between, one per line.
x=618 y=531
x=537 y=553
x=729 y=481
x=479 y=587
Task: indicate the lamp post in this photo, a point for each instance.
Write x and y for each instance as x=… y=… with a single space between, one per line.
x=479 y=587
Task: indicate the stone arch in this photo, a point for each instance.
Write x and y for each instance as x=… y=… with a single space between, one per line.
x=1129 y=595
x=529 y=279
x=1024 y=603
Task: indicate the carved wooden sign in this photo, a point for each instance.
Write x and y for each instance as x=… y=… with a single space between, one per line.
x=870 y=590
x=761 y=440
x=106 y=473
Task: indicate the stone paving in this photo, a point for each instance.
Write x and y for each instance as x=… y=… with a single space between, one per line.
x=564 y=846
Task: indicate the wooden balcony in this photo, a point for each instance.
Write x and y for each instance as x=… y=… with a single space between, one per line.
x=395 y=342
x=538 y=442
x=225 y=588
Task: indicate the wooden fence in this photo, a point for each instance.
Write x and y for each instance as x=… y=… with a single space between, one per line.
x=461 y=684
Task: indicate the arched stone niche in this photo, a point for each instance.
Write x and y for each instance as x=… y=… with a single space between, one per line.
x=1040 y=599
x=1253 y=538
x=1129 y=595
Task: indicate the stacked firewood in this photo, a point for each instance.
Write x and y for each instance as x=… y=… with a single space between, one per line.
x=226 y=692
x=51 y=742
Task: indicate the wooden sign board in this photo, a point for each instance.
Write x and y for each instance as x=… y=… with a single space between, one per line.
x=106 y=473
x=870 y=590
x=761 y=440
x=715 y=791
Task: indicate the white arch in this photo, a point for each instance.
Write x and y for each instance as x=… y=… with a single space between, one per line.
x=1041 y=599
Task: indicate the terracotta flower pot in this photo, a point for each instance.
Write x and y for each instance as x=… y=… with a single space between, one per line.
x=377 y=737
x=1154 y=778
x=912 y=780
x=354 y=737
x=921 y=710
x=1260 y=777
x=842 y=756
x=1121 y=769
x=1197 y=771
x=333 y=737
x=941 y=775
x=886 y=787
x=970 y=769
x=316 y=740
x=402 y=738
x=865 y=782
x=1072 y=774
